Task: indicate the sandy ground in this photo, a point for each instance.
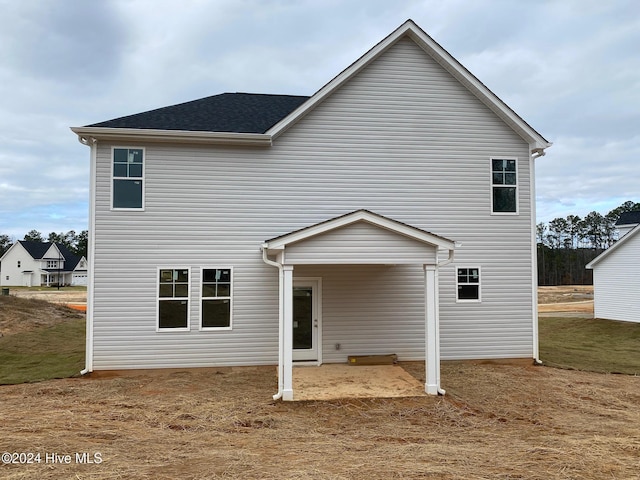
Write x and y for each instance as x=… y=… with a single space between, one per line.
x=335 y=381
x=567 y=299
x=52 y=295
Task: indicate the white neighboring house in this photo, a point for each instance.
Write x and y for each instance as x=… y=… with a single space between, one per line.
x=35 y=264
x=616 y=282
x=248 y=229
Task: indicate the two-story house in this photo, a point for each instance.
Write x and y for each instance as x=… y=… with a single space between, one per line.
x=393 y=211
x=35 y=264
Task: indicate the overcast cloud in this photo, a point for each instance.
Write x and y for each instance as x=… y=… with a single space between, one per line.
x=570 y=68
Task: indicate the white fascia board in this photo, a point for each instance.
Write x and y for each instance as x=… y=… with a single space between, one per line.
x=440 y=55
x=358 y=216
x=613 y=248
x=174 y=136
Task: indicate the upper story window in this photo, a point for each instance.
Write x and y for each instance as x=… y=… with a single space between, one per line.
x=128 y=178
x=19 y=263
x=52 y=263
x=504 y=186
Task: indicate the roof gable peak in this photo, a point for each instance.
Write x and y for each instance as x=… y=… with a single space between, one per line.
x=410 y=29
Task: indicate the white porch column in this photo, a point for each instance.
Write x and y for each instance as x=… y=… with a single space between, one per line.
x=287 y=354
x=431 y=331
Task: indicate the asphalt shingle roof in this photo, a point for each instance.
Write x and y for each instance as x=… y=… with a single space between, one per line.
x=629 y=218
x=227 y=112
x=38 y=249
x=35 y=249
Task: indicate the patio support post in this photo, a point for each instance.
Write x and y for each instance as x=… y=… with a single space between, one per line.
x=287 y=307
x=431 y=330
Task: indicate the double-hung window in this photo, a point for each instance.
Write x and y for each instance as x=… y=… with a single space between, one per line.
x=173 y=298
x=504 y=186
x=128 y=178
x=216 y=297
x=468 y=284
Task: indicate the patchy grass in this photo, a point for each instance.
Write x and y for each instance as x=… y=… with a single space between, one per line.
x=43 y=353
x=39 y=340
x=590 y=344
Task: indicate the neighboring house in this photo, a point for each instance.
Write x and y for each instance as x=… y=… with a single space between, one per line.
x=35 y=264
x=616 y=282
x=245 y=229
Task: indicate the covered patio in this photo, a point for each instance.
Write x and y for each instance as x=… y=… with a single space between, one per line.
x=360 y=238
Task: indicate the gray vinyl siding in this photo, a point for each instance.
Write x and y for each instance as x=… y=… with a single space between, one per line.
x=401 y=139
x=360 y=243
x=616 y=283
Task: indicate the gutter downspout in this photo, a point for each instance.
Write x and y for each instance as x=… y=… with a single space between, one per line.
x=442 y=391
x=535 y=153
x=266 y=260
x=92 y=143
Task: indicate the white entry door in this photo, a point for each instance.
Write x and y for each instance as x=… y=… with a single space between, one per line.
x=306 y=320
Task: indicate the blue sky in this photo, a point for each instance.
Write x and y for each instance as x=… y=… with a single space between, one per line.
x=570 y=68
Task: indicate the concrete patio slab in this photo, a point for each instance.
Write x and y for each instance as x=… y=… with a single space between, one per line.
x=335 y=381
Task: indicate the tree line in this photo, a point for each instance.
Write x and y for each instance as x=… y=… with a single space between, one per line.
x=77 y=243
x=566 y=245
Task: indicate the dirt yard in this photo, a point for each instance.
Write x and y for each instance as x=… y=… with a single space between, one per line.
x=566 y=298
x=496 y=421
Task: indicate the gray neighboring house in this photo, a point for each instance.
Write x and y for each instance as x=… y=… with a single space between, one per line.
x=36 y=264
x=616 y=282
x=391 y=212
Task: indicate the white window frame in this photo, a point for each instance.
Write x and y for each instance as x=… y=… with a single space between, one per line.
x=202 y=298
x=160 y=299
x=142 y=178
x=516 y=185
x=469 y=300
x=52 y=264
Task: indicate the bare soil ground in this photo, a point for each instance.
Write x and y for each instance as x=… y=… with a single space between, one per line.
x=496 y=421
x=566 y=298
x=18 y=314
x=52 y=295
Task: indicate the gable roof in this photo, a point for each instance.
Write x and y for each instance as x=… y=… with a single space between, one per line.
x=616 y=246
x=278 y=243
x=227 y=112
x=629 y=218
x=257 y=119
x=37 y=250
x=446 y=60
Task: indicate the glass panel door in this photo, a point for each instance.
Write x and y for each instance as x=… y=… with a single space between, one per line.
x=305 y=320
